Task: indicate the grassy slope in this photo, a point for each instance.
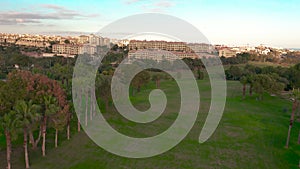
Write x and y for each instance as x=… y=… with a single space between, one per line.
x=259 y=64
x=251 y=135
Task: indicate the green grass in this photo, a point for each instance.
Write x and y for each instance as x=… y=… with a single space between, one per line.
x=251 y=134
x=258 y=64
x=264 y=64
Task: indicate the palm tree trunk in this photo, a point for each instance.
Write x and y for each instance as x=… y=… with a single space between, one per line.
x=26 y=149
x=291 y=123
x=86 y=108
x=91 y=102
x=78 y=123
x=32 y=141
x=44 y=136
x=80 y=107
x=56 y=137
x=68 y=130
x=95 y=103
x=8 y=149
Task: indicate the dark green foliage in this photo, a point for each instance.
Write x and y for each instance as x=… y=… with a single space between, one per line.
x=234 y=73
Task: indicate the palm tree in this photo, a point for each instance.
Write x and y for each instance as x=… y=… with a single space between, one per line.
x=26 y=114
x=58 y=122
x=51 y=108
x=9 y=124
x=296 y=97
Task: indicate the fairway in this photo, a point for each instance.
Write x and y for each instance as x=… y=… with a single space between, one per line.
x=251 y=134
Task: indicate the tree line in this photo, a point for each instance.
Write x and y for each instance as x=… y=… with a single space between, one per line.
x=31 y=103
x=267 y=79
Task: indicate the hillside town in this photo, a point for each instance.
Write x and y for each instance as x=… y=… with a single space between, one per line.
x=70 y=46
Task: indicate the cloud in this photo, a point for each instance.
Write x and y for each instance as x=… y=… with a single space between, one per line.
x=164 y=4
x=157 y=6
x=52 y=12
x=131 y=1
x=17 y=21
x=57 y=8
x=51 y=6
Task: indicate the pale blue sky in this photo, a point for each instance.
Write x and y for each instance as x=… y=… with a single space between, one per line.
x=232 y=22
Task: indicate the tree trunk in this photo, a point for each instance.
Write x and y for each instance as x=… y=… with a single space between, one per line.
x=56 y=137
x=138 y=88
x=26 y=149
x=86 y=108
x=291 y=123
x=79 y=113
x=32 y=141
x=44 y=136
x=8 y=149
x=91 y=106
x=250 y=90
x=68 y=130
x=106 y=105
x=157 y=83
x=95 y=103
x=244 y=91
x=78 y=124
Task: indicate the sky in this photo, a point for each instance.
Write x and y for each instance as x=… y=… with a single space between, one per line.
x=230 y=22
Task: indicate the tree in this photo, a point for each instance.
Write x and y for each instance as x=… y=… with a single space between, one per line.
x=157 y=77
x=293 y=75
x=200 y=74
x=189 y=62
x=140 y=79
x=9 y=124
x=86 y=105
x=244 y=82
x=250 y=82
x=62 y=73
x=266 y=83
x=26 y=114
x=58 y=121
x=67 y=41
x=233 y=73
x=295 y=98
x=51 y=108
x=103 y=91
x=10 y=91
x=47 y=93
x=18 y=94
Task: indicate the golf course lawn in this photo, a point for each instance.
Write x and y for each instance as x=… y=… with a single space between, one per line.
x=251 y=134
